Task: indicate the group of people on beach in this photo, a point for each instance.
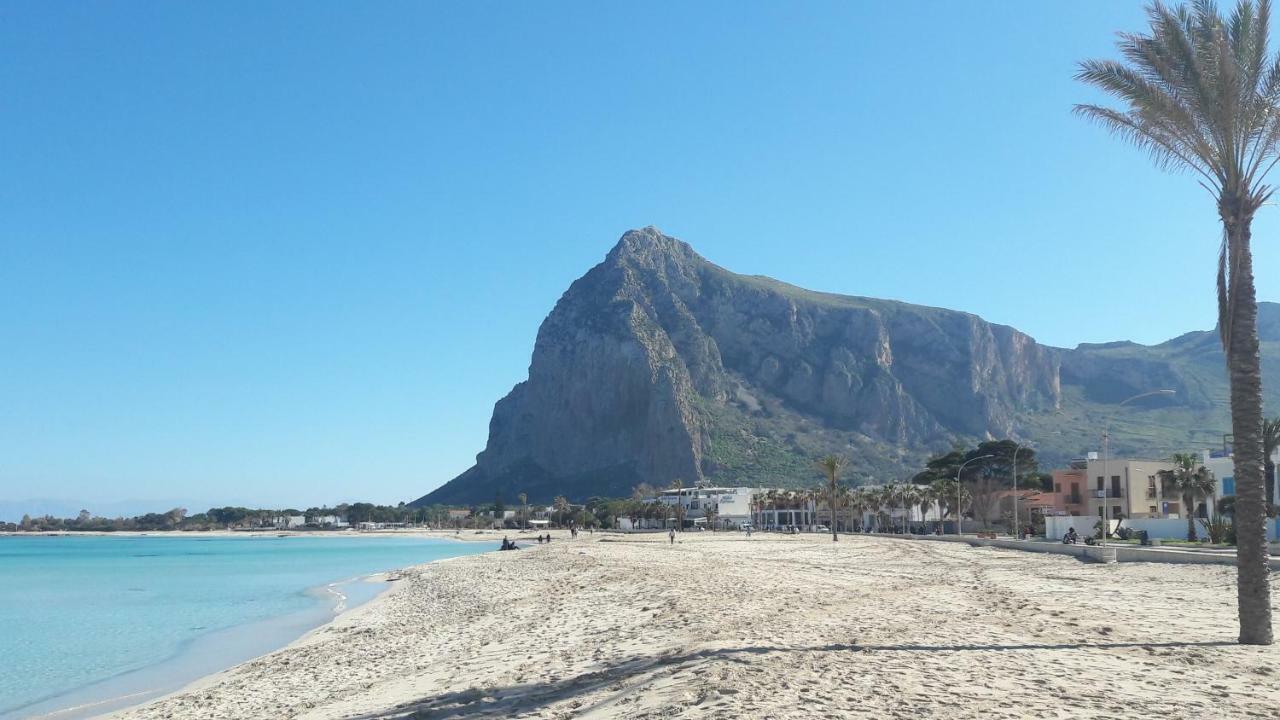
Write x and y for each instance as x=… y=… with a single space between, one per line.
x=541 y=540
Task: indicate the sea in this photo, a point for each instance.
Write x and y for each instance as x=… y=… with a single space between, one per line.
x=90 y=624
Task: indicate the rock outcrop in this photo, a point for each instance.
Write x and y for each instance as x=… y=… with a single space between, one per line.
x=658 y=364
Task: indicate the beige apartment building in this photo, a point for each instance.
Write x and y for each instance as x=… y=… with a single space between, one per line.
x=1131 y=488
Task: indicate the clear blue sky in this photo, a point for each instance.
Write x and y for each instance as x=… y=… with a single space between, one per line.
x=289 y=253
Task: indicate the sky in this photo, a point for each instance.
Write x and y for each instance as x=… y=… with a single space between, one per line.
x=288 y=254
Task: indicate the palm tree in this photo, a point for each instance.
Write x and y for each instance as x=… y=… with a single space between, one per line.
x=1192 y=481
x=831 y=466
x=893 y=501
x=524 y=509
x=561 y=506
x=909 y=494
x=925 y=497
x=857 y=504
x=875 y=501
x=1270 y=442
x=945 y=490
x=1201 y=93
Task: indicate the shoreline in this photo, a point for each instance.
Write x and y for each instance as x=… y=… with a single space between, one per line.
x=203 y=658
x=465 y=535
x=719 y=625
x=148 y=684
x=393 y=581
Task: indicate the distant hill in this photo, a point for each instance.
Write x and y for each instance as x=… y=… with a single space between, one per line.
x=658 y=364
x=13 y=510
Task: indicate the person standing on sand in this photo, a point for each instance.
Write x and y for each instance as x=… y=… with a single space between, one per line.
x=671 y=535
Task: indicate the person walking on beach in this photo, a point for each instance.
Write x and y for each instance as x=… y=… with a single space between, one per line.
x=671 y=535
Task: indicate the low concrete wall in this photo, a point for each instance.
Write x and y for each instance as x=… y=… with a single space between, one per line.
x=1123 y=553
x=1157 y=528
x=1164 y=528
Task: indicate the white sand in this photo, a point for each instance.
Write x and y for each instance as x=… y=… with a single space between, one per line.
x=774 y=626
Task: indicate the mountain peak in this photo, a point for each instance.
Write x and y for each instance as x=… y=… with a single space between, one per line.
x=648 y=244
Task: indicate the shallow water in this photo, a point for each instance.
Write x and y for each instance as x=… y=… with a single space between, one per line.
x=88 y=618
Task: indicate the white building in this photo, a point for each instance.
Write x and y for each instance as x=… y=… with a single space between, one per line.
x=1224 y=470
x=328 y=521
x=729 y=506
x=289 y=522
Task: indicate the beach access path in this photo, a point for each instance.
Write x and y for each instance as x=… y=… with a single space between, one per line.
x=720 y=625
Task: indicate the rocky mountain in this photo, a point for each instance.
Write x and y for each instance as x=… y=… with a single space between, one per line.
x=658 y=364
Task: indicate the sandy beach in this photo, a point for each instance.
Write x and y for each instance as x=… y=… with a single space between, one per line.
x=724 y=626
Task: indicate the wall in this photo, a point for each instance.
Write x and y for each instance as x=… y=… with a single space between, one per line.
x=1056 y=526
x=1164 y=528
x=1157 y=528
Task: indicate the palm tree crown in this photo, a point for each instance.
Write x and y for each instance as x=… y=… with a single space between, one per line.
x=1191 y=481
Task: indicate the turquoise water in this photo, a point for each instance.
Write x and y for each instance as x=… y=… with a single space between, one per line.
x=84 y=618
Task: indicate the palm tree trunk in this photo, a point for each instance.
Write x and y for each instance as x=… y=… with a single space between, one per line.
x=1271 y=479
x=1253 y=587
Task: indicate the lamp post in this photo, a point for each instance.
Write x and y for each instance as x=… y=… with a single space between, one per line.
x=1016 y=527
x=960 y=493
x=1106 y=449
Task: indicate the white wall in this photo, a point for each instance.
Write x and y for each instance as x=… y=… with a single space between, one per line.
x=1164 y=528
x=1055 y=526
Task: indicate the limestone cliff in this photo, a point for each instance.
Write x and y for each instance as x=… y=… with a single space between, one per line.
x=658 y=365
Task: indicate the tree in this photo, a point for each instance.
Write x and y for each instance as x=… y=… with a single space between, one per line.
x=831 y=466
x=1201 y=92
x=1270 y=443
x=950 y=498
x=561 y=506
x=1191 y=481
x=909 y=496
x=926 y=496
x=524 y=509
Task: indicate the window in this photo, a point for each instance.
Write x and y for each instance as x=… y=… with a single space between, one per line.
x=1151 y=509
x=1101 y=482
x=1115 y=486
x=1100 y=509
x=1228 y=485
x=1057 y=487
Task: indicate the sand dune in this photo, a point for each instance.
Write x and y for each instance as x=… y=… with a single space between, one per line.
x=722 y=626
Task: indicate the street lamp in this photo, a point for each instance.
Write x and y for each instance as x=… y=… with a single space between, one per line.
x=1016 y=527
x=1106 y=448
x=960 y=491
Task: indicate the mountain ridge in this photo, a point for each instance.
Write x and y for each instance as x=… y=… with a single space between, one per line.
x=659 y=364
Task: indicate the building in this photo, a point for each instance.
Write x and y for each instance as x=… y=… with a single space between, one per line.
x=1129 y=489
x=1223 y=467
x=724 y=507
x=1070 y=490
x=289 y=522
x=328 y=521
